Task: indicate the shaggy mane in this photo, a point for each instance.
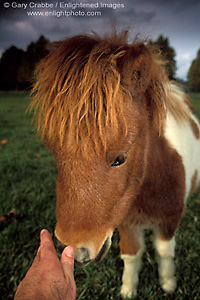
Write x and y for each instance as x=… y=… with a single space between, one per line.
x=78 y=91
x=78 y=94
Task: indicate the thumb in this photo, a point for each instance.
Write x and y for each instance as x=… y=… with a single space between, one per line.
x=67 y=261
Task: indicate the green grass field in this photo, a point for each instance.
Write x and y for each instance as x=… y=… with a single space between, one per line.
x=27 y=184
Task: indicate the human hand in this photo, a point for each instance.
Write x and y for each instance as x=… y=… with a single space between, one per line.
x=49 y=278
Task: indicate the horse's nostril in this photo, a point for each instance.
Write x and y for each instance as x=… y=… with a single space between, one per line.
x=85 y=255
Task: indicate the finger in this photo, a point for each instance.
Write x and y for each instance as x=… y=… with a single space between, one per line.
x=45 y=239
x=67 y=261
x=46 y=248
x=45 y=236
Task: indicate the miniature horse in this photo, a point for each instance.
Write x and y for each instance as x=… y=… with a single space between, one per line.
x=126 y=144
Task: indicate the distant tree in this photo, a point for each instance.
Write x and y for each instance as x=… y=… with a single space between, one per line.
x=168 y=54
x=194 y=74
x=34 y=52
x=16 y=65
x=9 y=64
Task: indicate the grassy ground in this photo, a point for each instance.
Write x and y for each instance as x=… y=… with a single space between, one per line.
x=27 y=184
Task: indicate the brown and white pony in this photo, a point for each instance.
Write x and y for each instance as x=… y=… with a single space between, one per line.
x=127 y=147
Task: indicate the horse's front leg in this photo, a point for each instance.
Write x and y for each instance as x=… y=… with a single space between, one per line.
x=165 y=250
x=132 y=248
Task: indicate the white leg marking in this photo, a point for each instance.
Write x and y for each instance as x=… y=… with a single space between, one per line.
x=132 y=265
x=165 y=254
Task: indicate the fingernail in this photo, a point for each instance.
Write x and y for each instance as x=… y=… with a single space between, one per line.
x=43 y=231
x=69 y=252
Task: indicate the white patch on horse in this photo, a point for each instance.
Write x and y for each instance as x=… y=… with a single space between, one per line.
x=182 y=139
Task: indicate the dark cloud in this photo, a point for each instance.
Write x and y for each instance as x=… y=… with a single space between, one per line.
x=181 y=4
x=132 y=14
x=177 y=19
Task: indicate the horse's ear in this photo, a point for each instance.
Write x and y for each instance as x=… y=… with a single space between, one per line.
x=135 y=68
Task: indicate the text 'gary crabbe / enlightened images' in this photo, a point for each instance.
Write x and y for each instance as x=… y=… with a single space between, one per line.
x=63 y=9
x=62 y=4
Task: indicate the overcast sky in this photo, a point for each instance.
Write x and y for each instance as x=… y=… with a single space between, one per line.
x=179 y=20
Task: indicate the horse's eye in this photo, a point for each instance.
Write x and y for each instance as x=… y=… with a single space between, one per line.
x=120 y=159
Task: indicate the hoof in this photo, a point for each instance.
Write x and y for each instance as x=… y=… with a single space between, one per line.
x=169 y=285
x=128 y=292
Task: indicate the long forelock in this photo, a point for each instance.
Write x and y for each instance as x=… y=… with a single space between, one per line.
x=78 y=95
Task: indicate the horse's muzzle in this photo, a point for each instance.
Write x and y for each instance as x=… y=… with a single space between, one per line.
x=99 y=256
x=82 y=255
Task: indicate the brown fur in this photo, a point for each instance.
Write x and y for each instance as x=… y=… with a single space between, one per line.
x=129 y=243
x=81 y=86
x=95 y=98
x=194 y=182
x=195 y=129
x=188 y=103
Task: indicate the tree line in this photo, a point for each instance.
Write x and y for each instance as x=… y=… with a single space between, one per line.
x=17 y=65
